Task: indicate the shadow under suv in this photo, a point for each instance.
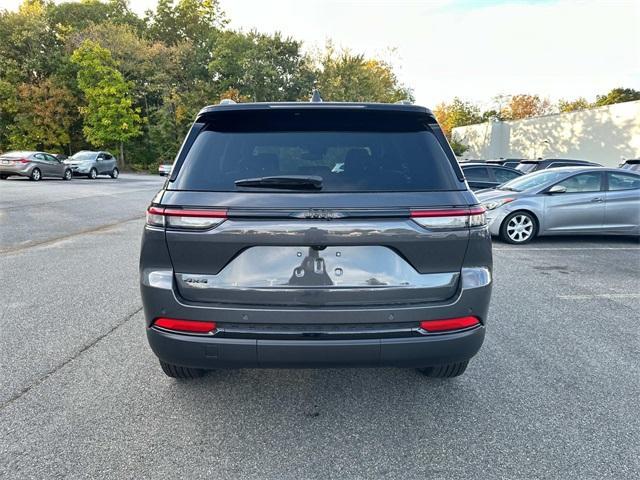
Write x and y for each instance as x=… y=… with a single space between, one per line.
x=315 y=235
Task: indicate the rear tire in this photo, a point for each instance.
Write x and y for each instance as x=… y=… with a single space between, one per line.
x=36 y=175
x=93 y=173
x=445 y=371
x=114 y=173
x=3 y=177
x=176 y=371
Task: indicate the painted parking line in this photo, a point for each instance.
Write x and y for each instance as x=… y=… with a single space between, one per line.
x=599 y=295
x=49 y=241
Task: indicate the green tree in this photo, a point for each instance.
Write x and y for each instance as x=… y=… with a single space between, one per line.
x=344 y=76
x=29 y=49
x=8 y=101
x=458 y=113
x=489 y=115
x=197 y=21
x=617 y=95
x=43 y=117
x=83 y=73
x=566 y=106
x=458 y=147
x=260 y=67
x=109 y=117
x=68 y=17
x=29 y=53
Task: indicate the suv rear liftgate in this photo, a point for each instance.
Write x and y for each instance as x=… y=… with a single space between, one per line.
x=321 y=235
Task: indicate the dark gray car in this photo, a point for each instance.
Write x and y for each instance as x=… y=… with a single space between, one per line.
x=530 y=166
x=315 y=235
x=34 y=165
x=485 y=175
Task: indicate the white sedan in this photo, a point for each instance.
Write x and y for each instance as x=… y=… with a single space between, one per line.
x=165 y=169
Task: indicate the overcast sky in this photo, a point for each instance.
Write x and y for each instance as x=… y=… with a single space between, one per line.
x=471 y=49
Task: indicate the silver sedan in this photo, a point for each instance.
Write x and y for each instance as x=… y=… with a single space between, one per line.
x=569 y=200
x=34 y=165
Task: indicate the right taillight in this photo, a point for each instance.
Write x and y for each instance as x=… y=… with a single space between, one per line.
x=450 y=217
x=185 y=218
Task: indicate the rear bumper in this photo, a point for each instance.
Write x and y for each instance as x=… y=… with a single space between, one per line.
x=210 y=352
x=7 y=170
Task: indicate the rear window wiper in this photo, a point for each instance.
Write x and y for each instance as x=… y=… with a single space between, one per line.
x=292 y=182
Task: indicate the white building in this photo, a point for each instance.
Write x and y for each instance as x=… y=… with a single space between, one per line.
x=605 y=135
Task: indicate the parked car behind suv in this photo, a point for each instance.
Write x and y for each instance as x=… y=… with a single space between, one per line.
x=34 y=165
x=164 y=169
x=315 y=235
x=91 y=164
x=486 y=175
x=568 y=200
x=530 y=166
x=631 y=164
x=506 y=162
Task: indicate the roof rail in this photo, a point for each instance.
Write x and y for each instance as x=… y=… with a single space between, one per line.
x=227 y=101
x=404 y=102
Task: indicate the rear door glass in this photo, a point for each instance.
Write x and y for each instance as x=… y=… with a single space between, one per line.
x=503 y=175
x=623 y=181
x=367 y=153
x=477 y=174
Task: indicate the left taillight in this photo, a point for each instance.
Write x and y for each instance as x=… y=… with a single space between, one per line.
x=155 y=216
x=450 y=217
x=185 y=218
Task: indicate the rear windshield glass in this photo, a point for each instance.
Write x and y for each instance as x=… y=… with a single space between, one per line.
x=84 y=156
x=526 y=167
x=361 y=152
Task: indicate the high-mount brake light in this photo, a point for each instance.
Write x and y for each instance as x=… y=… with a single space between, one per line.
x=185 y=218
x=450 y=217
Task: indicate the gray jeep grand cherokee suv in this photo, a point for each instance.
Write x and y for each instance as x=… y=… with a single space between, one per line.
x=315 y=235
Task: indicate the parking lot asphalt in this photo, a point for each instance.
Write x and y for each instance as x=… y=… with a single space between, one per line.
x=552 y=394
x=35 y=212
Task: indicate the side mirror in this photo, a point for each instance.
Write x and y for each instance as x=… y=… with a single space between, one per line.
x=557 y=189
